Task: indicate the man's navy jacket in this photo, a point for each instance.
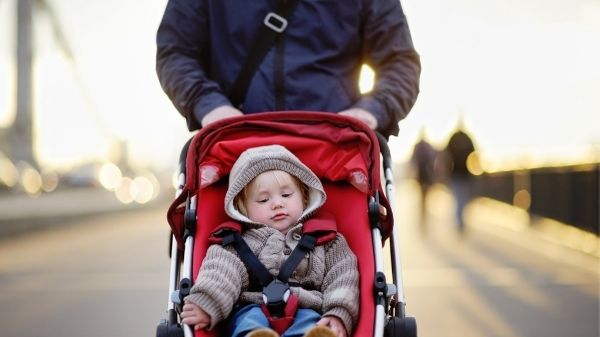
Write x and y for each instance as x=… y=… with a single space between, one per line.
x=313 y=66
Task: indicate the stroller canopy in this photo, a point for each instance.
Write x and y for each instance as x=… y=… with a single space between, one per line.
x=336 y=148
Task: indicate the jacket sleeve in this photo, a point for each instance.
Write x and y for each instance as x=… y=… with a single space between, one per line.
x=340 y=286
x=219 y=283
x=389 y=50
x=182 y=59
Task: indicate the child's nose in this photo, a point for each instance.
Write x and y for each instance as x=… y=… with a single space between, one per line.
x=277 y=203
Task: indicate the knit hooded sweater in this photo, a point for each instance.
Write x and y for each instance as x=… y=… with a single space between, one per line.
x=328 y=275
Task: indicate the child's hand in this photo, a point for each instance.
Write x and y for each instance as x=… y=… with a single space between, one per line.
x=192 y=315
x=335 y=324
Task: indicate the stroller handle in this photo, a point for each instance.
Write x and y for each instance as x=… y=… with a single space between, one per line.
x=183 y=156
x=385 y=150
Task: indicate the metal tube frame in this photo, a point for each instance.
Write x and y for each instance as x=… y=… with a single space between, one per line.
x=379 y=267
x=395 y=243
x=187 y=262
x=180 y=270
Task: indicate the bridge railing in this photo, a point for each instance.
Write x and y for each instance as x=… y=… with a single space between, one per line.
x=569 y=194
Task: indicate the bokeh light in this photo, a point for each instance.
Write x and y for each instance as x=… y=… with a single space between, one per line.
x=126 y=190
x=49 y=180
x=31 y=180
x=9 y=175
x=522 y=199
x=144 y=189
x=474 y=164
x=109 y=176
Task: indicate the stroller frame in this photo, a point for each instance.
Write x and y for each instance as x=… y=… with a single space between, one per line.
x=390 y=305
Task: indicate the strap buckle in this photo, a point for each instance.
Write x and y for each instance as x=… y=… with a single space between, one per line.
x=275 y=297
x=276 y=22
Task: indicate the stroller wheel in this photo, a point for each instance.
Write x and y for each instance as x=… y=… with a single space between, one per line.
x=401 y=327
x=164 y=329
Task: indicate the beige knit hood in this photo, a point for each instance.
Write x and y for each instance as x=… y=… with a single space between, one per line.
x=257 y=160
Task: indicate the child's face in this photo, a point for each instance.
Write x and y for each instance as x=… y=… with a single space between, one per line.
x=275 y=199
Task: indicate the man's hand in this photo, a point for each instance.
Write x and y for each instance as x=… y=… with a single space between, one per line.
x=224 y=111
x=362 y=115
x=335 y=324
x=193 y=316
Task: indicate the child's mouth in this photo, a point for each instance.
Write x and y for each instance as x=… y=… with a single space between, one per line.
x=279 y=216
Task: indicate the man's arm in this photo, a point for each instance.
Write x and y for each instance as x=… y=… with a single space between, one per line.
x=182 y=59
x=389 y=50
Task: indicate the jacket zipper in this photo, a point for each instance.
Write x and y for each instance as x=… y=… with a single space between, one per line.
x=279 y=78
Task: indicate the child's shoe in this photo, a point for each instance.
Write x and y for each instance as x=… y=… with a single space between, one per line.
x=263 y=332
x=320 y=331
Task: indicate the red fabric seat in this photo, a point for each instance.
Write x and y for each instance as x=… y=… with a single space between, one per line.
x=337 y=148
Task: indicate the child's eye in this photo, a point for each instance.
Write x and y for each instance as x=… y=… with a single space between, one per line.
x=262 y=201
x=287 y=195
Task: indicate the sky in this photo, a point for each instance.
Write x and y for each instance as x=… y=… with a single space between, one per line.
x=523 y=75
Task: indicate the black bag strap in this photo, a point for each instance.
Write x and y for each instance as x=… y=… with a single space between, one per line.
x=274 y=24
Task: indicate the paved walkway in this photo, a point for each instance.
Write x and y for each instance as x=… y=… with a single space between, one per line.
x=518 y=225
x=19 y=212
x=516 y=221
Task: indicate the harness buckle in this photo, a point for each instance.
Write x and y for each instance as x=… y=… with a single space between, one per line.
x=276 y=22
x=275 y=297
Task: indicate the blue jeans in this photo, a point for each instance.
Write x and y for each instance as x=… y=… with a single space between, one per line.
x=251 y=317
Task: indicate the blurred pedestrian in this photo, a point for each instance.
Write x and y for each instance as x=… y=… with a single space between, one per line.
x=423 y=163
x=458 y=153
x=312 y=63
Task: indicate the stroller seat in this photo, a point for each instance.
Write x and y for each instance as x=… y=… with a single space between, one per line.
x=343 y=153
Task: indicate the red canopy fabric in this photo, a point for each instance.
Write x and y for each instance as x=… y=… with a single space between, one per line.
x=336 y=148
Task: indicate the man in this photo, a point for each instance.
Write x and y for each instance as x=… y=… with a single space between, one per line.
x=313 y=65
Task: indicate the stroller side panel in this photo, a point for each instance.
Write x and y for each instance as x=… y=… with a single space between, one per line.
x=210 y=215
x=349 y=207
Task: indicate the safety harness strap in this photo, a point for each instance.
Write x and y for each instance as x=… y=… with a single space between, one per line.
x=250 y=260
x=304 y=246
x=280 y=304
x=253 y=264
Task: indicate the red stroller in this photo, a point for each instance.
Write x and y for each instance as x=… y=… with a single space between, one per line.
x=345 y=155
